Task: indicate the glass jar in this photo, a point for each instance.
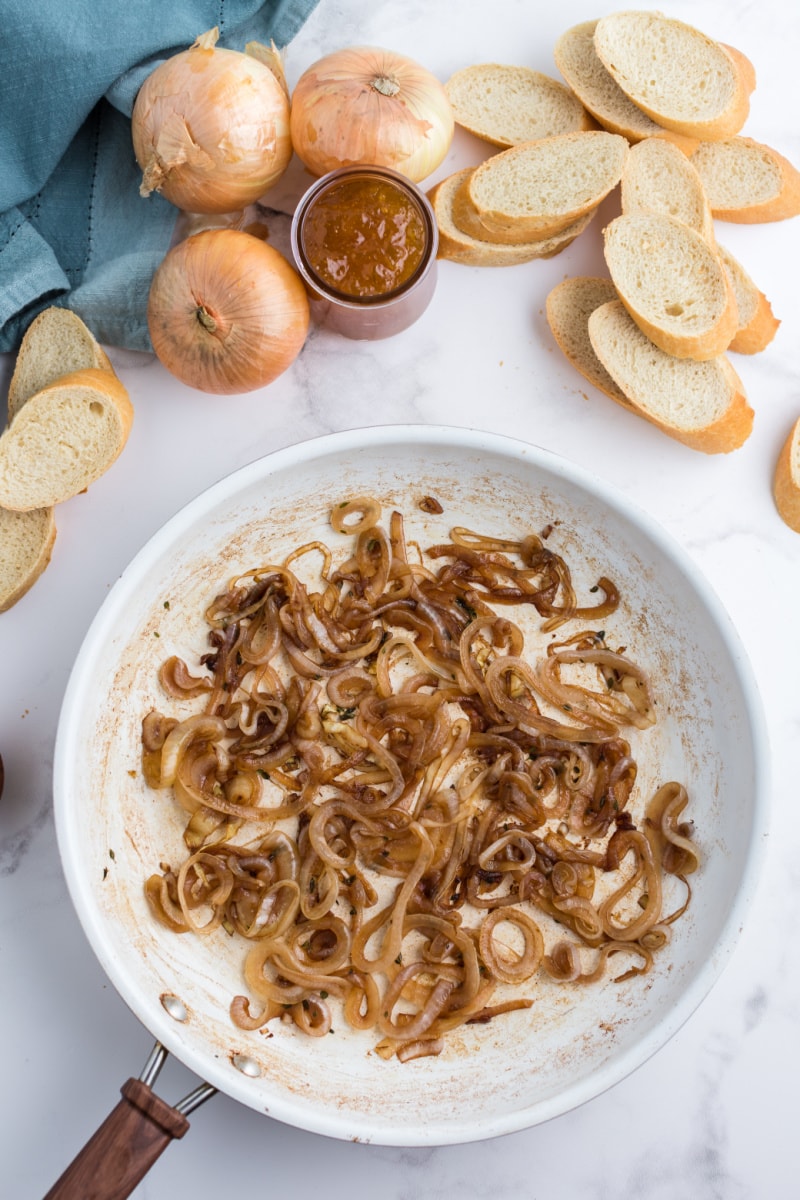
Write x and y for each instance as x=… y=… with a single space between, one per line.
x=365 y=240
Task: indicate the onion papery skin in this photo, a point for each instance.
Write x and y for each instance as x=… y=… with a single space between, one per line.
x=210 y=129
x=340 y=118
x=226 y=313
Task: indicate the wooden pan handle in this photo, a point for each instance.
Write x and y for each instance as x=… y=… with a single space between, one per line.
x=119 y=1155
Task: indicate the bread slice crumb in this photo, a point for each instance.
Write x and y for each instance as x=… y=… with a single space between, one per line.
x=506 y=105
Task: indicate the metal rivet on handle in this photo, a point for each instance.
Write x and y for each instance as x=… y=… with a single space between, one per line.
x=248 y=1066
x=175 y=1007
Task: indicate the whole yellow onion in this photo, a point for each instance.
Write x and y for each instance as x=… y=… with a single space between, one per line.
x=367 y=106
x=226 y=312
x=211 y=127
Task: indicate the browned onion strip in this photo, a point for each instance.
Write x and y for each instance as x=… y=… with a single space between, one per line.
x=321 y=946
x=262 y=638
x=634 y=706
x=439 y=767
x=243 y=1017
x=407 y=1026
x=475 y=659
x=645 y=873
x=362 y=1003
x=495 y=1010
x=637 y=948
x=310 y=548
x=199 y=727
x=192 y=790
x=572 y=611
x=527 y=715
x=167 y=911
x=246 y=593
x=313 y=1016
x=564 y=962
x=277 y=910
x=348 y=684
x=397 y=647
x=677 y=852
x=365 y=509
x=460 y=536
x=287 y=973
x=373 y=562
x=463 y=947
x=584 y=918
x=196 y=888
x=392 y=917
x=504 y=965
x=421 y=1048
x=176 y=680
x=304 y=664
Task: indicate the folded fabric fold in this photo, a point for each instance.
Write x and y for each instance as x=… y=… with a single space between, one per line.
x=30 y=274
x=73 y=228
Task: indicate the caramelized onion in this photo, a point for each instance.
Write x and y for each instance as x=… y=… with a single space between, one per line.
x=406 y=810
x=508 y=967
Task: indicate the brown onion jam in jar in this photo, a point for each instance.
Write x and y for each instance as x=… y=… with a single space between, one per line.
x=364 y=236
x=365 y=242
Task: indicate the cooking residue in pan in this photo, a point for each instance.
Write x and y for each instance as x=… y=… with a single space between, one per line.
x=402 y=811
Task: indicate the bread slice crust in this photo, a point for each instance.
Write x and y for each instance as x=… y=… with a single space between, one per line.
x=63 y=438
x=568 y=308
x=56 y=343
x=505 y=105
x=461 y=247
x=701 y=404
x=672 y=283
x=748 y=182
x=659 y=178
x=26 y=545
x=537 y=189
x=600 y=94
x=681 y=78
x=786 y=479
x=757 y=322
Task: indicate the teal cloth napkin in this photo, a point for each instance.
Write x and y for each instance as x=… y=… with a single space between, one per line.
x=73 y=228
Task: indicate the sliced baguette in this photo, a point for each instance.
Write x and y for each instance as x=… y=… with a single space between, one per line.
x=682 y=79
x=757 y=322
x=658 y=178
x=63 y=438
x=505 y=105
x=601 y=95
x=568 y=308
x=26 y=543
x=701 y=404
x=672 y=283
x=748 y=182
x=786 y=480
x=56 y=343
x=461 y=247
x=469 y=224
x=537 y=189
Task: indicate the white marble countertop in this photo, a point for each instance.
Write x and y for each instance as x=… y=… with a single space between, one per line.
x=711 y=1114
